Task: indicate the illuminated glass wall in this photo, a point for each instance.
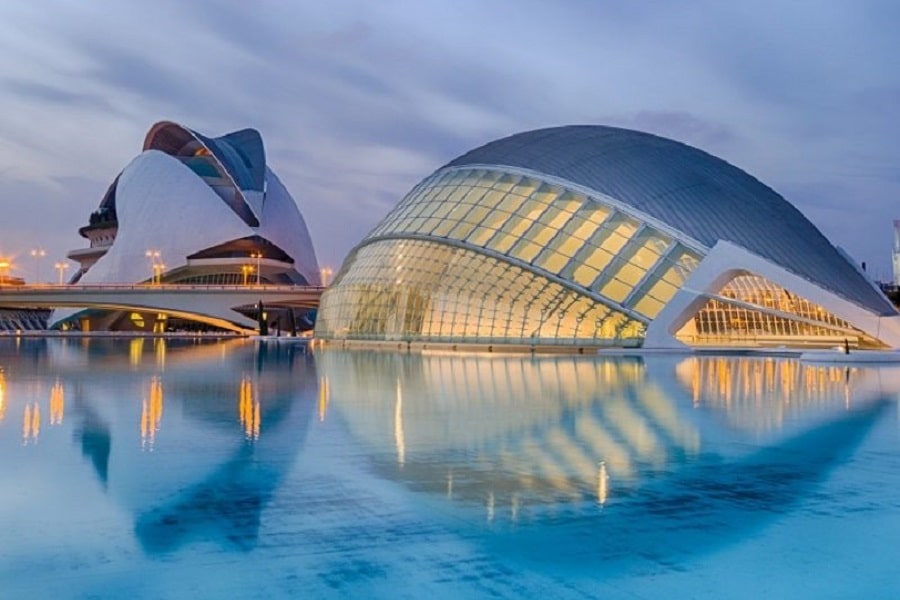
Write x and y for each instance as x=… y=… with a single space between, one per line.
x=419 y=290
x=753 y=310
x=486 y=255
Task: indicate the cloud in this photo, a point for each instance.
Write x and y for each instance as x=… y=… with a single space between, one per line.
x=357 y=101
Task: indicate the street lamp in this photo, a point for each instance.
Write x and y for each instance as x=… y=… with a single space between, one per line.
x=37 y=254
x=154 y=256
x=326 y=273
x=61 y=268
x=246 y=270
x=258 y=256
x=5 y=266
x=158 y=269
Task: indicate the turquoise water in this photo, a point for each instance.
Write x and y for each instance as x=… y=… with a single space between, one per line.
x=179 y=469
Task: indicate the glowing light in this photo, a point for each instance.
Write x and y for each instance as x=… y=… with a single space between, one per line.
x=246 y=270
x=324 y=396
x=5 y=267
x=398 y=427
x=326 y=273
x=151 y=414
x=61 y=269
x=57 y=403
x=490 y=506
x=160 y=346
x=31 y=426
x=2 y=395
x=249 y=409
x=136 y=345
x=602 y=484
x=258 y=256
x=155 y=260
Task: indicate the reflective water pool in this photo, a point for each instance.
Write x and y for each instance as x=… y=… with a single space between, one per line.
x=179 y=469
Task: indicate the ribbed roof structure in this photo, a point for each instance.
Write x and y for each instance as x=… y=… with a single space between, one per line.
x=695 y=193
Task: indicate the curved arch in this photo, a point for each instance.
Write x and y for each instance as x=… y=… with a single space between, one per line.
x=227 y=324
x=179 y=141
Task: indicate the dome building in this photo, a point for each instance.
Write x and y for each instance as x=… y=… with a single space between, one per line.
x=191 y=209
x=597 y=236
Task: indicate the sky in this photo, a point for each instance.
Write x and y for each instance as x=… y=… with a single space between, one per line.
x=357 y=101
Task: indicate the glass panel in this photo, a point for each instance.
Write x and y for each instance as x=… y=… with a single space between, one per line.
x=616 y=290
x=525 y=250
x=445 y=293
x=507 y=182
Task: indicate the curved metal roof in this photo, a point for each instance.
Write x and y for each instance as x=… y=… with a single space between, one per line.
x=241 y=153
x=692 y=191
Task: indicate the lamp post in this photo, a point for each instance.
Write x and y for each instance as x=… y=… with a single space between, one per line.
x=326 y=273
x=154 y=256
x=258 y=256
x=61 y=268
x=158 y=268
x=37 y=254
x=246 y=270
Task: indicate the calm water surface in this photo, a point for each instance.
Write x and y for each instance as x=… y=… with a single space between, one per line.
x=180 y=469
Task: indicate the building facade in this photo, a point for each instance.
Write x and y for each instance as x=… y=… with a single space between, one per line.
x=598 y=236
x=191 y=209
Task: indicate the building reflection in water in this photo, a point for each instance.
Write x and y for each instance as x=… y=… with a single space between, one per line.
x=509 y=431
x=514 y=434
x=761 y=393
x=211 y=471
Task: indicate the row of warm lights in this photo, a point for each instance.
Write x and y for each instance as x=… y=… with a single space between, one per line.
x=151 y=411
x=156 y=265
x=7 y=266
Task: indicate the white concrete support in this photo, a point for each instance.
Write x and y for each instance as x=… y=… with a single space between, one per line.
x=724 y=262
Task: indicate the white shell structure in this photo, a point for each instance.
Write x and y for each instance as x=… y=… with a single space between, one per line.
x=194 y=209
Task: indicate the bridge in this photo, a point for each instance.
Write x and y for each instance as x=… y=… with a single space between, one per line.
x=212 y=304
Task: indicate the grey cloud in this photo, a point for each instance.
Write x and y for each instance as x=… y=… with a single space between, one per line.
x=64 y=98
x=678 y=125
x=332 y=85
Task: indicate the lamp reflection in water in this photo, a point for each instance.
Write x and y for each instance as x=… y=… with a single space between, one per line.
x=760 y=393
x=57 y=403
x=324 y=395
x=2 y=395
x=151 y=413
x=31 y=426
x=249 y=409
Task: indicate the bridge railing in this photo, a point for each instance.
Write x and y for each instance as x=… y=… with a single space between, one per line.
x=145 y=287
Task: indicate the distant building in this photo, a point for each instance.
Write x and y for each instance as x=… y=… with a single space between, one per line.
x=192 y=209
x=598 y=236
x=23 y=319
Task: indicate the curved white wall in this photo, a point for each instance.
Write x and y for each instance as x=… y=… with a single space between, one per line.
x=282 y=224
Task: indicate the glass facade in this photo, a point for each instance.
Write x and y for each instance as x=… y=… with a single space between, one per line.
x=481 y=254
x=548 y=229
x=418 y=290
x=529 y=260
x=752 y=310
